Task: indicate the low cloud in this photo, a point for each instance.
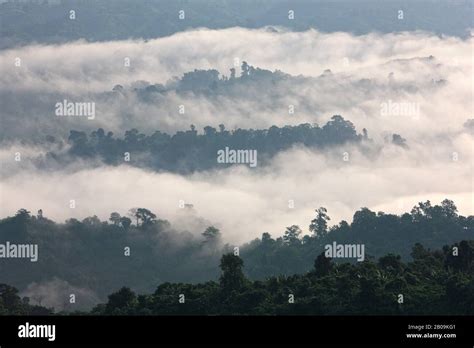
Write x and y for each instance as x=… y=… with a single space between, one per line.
x=366 y=72
x=59 y=294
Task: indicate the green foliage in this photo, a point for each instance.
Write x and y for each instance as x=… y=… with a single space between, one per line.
x=188 y=151
x=211 y=234
x=319 y=225
x=122 y=302
x=292 y=235
x=163 y=254
x=232 y=277
x=12 y=304
x=381 y=234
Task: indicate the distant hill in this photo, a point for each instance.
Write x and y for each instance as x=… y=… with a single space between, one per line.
x=44 y=21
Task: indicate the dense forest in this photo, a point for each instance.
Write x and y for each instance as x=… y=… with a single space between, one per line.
x=435 y=282
x=106 y=20
x=92 y=254
x=187 y=151
x=118 y=196
x=284 y=114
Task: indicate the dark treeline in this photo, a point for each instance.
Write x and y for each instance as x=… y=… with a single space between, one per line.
x=435 y=282
x=188 y=151
x=381 y=233
x=211 y=82
x=12 y=304
x=84 y=253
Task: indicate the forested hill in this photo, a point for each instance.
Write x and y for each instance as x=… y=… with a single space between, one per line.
x=436 y=282
x=83 y=253
x=188 y=151
x=191 y=113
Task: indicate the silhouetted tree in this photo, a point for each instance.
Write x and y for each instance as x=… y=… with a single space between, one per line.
x=115 y=218
x=232 y=277
x=125 y=222
x=292 y=234
x=322 y=265
x=319 y=225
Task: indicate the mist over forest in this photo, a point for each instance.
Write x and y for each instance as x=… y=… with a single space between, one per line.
x=166 y=254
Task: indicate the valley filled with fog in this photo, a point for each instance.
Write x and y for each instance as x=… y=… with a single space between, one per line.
x=340 y=118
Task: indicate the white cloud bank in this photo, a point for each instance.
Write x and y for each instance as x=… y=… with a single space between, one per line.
x=242 y=202
x=368 y=70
